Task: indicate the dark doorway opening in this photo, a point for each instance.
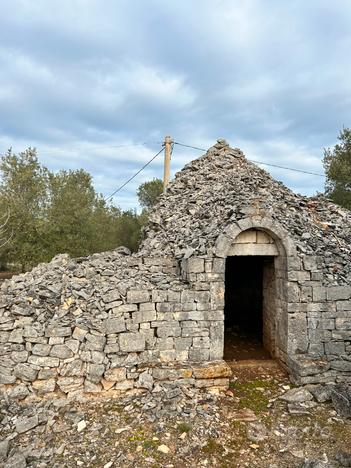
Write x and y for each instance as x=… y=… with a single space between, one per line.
x=246 y=284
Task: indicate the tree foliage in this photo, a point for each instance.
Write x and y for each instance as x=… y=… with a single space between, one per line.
x=337 y=164
x=148 y=193
x=51 y=213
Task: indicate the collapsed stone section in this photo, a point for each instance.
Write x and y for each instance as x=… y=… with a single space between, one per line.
x=109 y=323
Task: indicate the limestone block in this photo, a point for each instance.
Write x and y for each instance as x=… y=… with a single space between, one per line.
x=16 y=336
x=70 y=384
x=168 y=355
x=54 y=340
x=334 y=347
x=145 y=381
x=218 y=265
x=159 y=295
x=341 y=365
x=95 y=372
x=193 y=315
x=147 y=306
x=247 y=237
x=41 y=349
x=19 y=356
x=213 y=370
x=169 y=330
x=299 y=276
x=182 y=344
x=72 y=369
x=19 y=392
x=92 y=387
x=125 y=308
x=25 y=372
x=196 y=265
x=111 y=348
x=4 y=336
x=165 y=306
x=61 y=351
x=343 y=323
x=79 y=333
x=319 y=293
x=173 y=296
x=163 y=344
x=46 y=374
x=44 y=386
x=116 y=374
x=264 y=238
x=57 y=331
x=73 y=345
x=124 y=385
x=6 y=377
x=253 y=249
x=335 y=293
x=111 y=296
x=194 y=331
x=95 y=342
x=131 y=342
x=137 y=296
x=44 y=361
x=217 y=295
x=222 y=245
x=114 y=325
x=293 y=292
x=201 y=342
x=344 y=306
x=198 y=354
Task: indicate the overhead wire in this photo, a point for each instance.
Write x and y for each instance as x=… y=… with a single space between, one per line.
x=258 y=162
x=133 y=176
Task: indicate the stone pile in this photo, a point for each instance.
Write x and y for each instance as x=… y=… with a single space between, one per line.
x=101 y=323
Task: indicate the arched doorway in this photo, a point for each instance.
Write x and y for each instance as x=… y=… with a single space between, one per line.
x=250 y=297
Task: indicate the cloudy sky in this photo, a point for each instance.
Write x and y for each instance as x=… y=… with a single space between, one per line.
x=84 y=80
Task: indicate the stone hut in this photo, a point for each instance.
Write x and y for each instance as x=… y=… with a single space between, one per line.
x=224 y=232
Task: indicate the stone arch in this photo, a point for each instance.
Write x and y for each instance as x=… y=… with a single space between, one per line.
x=283 y=251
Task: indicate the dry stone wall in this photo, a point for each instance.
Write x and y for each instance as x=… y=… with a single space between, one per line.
x=107 y=323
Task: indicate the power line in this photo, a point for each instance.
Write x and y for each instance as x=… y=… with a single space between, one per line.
x=133 y=176
x=258 y=162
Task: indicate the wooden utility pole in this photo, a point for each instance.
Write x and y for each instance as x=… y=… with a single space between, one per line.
x=167 y=164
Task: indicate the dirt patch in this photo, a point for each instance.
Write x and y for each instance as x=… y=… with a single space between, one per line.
x=246 y=427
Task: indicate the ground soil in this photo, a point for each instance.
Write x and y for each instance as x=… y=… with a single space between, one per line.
x=218 y=435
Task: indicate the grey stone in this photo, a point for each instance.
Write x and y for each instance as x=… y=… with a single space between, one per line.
x=41 y=349
x=19 y=392
x=25 y=372
x=146 y=380
x=297 y=395
x=137 y=296
x=344 y=458
x=114 y=325
x=95 y=342
x=131 y=342
x=58 y=331
x=17 y=460
x=7 y=378
x=26 y=424
x=61 y=351
x=44 y=361
x=341 y=399
x=4 y=449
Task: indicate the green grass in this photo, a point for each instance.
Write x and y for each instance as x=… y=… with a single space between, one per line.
x=184 y=427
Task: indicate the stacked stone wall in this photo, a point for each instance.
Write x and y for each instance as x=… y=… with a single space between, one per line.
x=135 y=325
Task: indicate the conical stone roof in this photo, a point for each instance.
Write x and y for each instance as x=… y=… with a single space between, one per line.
x=222 y=187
